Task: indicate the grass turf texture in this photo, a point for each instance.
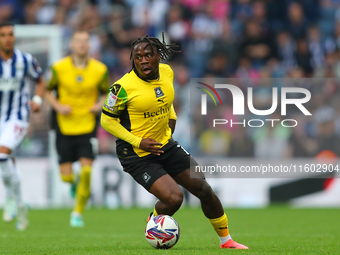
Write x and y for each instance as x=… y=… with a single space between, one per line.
x=274 y=230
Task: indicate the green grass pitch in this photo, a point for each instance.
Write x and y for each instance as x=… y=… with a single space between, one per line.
x=274 y=230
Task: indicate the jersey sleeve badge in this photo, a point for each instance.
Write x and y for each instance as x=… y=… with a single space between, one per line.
x=111 y=103
x=113 y=95
x=111 y=100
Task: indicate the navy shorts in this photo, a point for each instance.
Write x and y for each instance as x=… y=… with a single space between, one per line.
x=148 y=169
x=72 y=147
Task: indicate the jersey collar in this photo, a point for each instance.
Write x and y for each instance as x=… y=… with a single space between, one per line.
x=87 y=62
x=159 y=76
x=11 y=58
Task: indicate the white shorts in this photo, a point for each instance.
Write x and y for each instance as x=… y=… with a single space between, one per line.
x=12 y=132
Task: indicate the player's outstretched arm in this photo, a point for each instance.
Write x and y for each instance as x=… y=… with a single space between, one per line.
x=37 y=100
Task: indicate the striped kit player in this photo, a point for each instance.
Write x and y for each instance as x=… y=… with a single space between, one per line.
x=16 y=68
x=15 y=90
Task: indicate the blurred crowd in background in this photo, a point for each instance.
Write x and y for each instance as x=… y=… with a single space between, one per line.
x=218 y=38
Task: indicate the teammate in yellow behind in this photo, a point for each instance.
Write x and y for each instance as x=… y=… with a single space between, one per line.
x=81 y=84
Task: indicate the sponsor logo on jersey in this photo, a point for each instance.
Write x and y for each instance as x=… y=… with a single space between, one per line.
x=7 y=84
x=162 y=110
x=158 y=92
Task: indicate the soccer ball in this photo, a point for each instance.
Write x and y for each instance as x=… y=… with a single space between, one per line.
x=162 y=232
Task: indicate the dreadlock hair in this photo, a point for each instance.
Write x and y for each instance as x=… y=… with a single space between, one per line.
x=165 y=51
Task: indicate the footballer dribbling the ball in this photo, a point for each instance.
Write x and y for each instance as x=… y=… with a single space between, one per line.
x=139 y=111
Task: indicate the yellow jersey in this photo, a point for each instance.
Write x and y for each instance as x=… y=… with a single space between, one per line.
x=143 y=108
x=78 y=88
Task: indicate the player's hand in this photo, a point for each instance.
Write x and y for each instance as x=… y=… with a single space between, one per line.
x=34 y=106
x=151 y=145
x=96 y=108
x=64 y=109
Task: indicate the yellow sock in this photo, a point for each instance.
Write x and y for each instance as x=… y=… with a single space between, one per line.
x=155 y=212
x=221 y=225
x=83 y=189
x=68 y=177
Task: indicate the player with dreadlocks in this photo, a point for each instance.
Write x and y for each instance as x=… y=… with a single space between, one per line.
x=139 y=112
x=164 y=52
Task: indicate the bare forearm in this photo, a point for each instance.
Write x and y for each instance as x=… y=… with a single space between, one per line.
x=101 y=100
x=40 y=89
x=51 y=99
x=96 y=108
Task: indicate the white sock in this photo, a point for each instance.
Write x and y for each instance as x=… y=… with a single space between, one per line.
x=225 y=239
x=11 y=178
x=77 y=214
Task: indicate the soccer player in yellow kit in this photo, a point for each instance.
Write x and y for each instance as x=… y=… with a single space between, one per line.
x=81 y=84
x=139 y=111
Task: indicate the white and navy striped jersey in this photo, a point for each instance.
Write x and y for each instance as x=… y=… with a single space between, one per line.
x=14 y=85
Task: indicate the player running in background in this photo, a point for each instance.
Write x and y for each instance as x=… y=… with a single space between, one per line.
x=139 y=111
x=81 y=84
x=16 y=68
